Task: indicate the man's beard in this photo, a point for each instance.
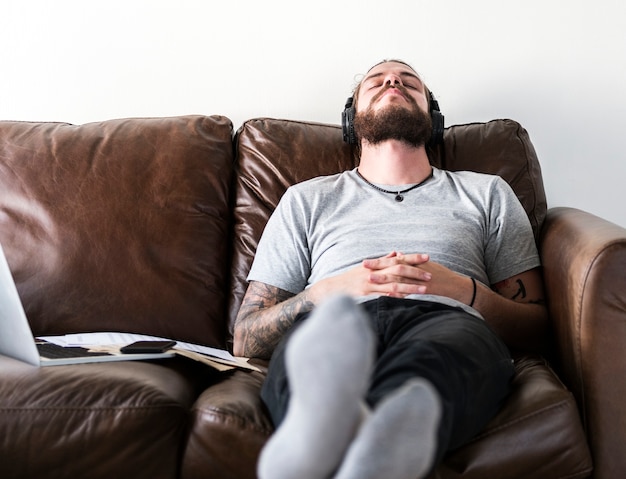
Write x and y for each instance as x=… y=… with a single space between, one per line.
x=394 y=122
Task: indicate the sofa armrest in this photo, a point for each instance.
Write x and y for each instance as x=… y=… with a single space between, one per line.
x=584 y=260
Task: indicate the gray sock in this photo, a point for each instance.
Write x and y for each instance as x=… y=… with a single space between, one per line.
x=328 y=361
x=398 y=440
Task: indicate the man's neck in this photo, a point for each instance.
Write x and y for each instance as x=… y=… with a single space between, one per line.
x=394 y=163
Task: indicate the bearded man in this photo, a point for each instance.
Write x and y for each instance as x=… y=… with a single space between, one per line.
x=388 y=298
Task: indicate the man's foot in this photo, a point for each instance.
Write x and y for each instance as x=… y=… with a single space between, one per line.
x=399 y=439
x=328 y=360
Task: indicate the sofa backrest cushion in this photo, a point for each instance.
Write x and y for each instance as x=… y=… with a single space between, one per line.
x=119 y=225
x=274 y=154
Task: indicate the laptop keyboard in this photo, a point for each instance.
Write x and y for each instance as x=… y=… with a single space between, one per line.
x=54 y=351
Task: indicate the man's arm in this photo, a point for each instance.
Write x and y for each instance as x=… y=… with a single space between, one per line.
x=515 y=308
x=266 y=313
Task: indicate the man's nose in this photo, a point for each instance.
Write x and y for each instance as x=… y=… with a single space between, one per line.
x=392 y=80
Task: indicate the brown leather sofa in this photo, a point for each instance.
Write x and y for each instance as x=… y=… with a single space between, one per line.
x=150 y=225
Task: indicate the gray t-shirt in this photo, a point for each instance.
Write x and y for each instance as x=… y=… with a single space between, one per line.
x=471 y=223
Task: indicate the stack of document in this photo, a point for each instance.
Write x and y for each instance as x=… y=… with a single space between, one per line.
x=217 y=358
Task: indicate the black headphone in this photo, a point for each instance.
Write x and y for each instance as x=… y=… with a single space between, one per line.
x=347 y=121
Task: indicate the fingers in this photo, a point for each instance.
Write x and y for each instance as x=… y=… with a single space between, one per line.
x=396 y=258
x=413 y=259
x=395 y=274
x=398 y=267
x=399 y=289
x=398 y=275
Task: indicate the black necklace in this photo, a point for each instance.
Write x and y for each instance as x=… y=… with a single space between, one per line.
x=399 y=194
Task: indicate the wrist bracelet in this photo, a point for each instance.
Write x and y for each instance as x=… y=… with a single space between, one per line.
x=474 y=293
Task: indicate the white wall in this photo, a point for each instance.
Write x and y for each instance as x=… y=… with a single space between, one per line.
x=558 y=67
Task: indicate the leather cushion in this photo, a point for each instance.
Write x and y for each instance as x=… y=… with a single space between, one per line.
x=94 y=420
x=119 y=225
x=536 y=435
x=229 y=426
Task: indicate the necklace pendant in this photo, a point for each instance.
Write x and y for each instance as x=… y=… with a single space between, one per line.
x=399 y=198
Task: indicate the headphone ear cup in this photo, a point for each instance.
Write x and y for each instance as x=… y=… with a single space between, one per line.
x=438 y=127
x=347 y=122
x=437 y=121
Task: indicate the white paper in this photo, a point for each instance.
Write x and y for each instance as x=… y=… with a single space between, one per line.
x=121 y=339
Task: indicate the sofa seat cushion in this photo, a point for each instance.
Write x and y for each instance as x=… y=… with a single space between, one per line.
x=94 y=420
x=229 y=426
x=536 y=435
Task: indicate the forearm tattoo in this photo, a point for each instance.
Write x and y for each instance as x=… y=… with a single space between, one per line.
x=266 y=314
x=521 y=292
x=516 y=291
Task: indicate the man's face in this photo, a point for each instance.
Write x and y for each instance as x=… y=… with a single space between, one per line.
x=392 y=104
x=374 y=91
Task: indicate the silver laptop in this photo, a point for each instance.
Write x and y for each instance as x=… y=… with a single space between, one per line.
x=17 y=341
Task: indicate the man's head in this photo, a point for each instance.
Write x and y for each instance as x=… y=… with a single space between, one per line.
x=384 y=71
x=392 y=102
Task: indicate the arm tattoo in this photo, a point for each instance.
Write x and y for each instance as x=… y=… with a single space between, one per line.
x=266 y=314
x=521 y=291
x=507 y=289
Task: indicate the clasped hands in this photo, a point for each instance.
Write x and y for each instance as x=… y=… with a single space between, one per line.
x=399 y=275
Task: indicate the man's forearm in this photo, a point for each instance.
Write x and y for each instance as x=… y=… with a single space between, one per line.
x=266 y=314
x=522 y=326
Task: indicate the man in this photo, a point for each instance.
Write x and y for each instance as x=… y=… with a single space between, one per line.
x=369 y=292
